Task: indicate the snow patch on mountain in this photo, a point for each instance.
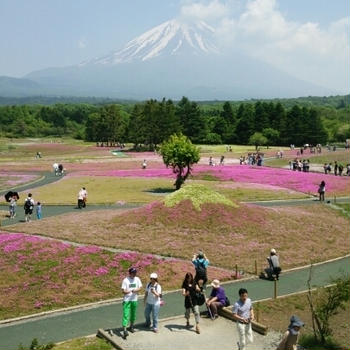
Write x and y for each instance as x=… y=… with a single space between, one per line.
x=169 y=38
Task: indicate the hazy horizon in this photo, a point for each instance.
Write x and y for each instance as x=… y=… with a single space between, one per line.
x=307 y=40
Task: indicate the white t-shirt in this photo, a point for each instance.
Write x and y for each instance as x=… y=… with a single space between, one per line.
x=131 y=283
x=151 y=298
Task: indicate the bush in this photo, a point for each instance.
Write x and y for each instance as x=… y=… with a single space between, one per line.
x=308 y=341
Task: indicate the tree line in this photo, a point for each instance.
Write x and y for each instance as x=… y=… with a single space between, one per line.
x=149 y=123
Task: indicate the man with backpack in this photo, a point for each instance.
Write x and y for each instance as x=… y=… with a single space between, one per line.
x=200 y=262
x=28 y=207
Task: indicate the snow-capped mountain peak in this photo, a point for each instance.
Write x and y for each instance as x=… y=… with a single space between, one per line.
x=169 y=38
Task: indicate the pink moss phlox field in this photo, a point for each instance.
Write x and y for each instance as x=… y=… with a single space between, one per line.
x=299 y=181
x=40 y=267
x=10 y=179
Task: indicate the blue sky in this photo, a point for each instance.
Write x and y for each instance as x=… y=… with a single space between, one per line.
x=43 y=33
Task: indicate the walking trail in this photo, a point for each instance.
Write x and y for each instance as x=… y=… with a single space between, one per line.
x=66 y=325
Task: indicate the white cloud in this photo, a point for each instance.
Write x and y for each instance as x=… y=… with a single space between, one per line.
x=82 y=43
x=259 y=29
x=304 y=50
x=208 y=11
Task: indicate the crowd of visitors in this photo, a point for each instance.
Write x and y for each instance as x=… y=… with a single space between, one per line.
x=193 y=290
x=252 y=159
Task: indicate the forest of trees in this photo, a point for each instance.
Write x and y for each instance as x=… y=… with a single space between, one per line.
x=149 y=123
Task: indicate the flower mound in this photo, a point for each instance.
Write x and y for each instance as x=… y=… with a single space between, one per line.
x=198 y=195
x=38 y=274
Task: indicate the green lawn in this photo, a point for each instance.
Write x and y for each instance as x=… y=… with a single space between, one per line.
x=102 y=190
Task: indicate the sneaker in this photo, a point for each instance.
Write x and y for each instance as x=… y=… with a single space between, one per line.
x=131 y=329
x=125 y=334
x=155 y=330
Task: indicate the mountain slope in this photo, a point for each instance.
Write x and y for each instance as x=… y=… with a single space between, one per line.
x=171 y=60
x=170 y=38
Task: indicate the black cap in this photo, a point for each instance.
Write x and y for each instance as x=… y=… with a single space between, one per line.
x=132 y=270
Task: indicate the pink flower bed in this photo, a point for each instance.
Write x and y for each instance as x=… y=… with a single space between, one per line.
x=11 y=180
x=298 y=181
x=39 y=268
x=283 y=178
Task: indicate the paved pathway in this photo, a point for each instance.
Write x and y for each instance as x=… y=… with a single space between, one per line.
x=290 y=202
x=53 y=210
x=47 y=178
x=82 y=322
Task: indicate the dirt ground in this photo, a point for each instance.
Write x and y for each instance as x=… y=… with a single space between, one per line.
x=276 y=314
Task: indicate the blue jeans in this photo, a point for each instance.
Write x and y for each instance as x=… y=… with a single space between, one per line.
x=154 y=309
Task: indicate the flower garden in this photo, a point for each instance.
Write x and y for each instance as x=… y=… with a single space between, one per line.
x=38 y=274
x=210 y=213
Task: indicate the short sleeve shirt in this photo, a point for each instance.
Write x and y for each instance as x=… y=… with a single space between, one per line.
x=242 y=309
x=151 y=298
x=131 y=283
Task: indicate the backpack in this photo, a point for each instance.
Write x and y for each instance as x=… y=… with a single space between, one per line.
x=28 y=204
x=200 y=298
x=227 y=301
x=277 y=270
x=201 y=270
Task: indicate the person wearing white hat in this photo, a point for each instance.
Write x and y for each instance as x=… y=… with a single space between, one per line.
x=152 y=299
x=274 y=265
x=217 y=298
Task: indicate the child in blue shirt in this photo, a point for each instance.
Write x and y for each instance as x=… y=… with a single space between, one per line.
x=38 y=210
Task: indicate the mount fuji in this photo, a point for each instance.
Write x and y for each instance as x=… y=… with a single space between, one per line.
x=174 y=59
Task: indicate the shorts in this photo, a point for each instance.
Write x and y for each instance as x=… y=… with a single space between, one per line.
x=28 y=211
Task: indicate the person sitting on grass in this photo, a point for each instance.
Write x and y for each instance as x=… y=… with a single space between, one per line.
x=290 y=337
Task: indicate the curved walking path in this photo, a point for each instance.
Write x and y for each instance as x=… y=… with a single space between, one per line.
x=65 y=325
x=289 y=202
x=45 y=179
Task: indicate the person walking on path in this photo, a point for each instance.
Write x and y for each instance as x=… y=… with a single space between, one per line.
x=152 y=298
x=131 y=285
x=322 y=191
x=191 y=290
x=13 y=205
x=244 y=314
x=28 y=207
x=85 y=194
x=274 y=265
x=82 y=198
x=201 y=262
x=290 y=337
x=217 y=298
x=38 y=211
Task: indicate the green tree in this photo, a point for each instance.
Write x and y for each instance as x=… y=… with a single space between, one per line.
x=257 y=139
x=261 y=120
x=272 y=136
x=194 y=125
x=245 y=125
x=179 y=153
x=326 y=303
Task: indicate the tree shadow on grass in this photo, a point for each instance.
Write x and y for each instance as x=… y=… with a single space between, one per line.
x=160 y=190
